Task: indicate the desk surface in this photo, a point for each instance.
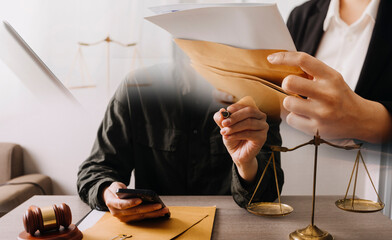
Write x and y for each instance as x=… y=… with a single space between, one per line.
x=232 y=222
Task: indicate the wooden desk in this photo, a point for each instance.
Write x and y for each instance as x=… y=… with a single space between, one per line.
x=232 y=222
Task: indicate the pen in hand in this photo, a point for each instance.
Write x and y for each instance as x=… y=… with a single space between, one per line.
x=225 y=114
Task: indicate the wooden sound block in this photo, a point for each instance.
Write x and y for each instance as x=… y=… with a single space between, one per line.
x=71 y=233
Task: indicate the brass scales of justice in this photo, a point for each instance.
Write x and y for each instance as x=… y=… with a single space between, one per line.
x=83 y=66
x=348 y=204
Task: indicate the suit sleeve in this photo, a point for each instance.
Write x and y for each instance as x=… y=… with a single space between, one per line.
x=111 y=157
x=242 y=192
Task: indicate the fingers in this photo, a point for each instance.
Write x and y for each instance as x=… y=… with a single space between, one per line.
x=301 y=123
x=253 y=136
x=299 y=85
x=137 y=217
x=144 y=208
x=141 y=212
x=300 y=106
x=245 y=123
x=130 y=209
x=307 y=63
x=218 y=118
x=121 y=204
x=249 y=124
x=113 y=202
x=240 y=113
x=247 y=117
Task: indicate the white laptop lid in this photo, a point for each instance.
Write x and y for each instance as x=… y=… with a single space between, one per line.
x=30 y=69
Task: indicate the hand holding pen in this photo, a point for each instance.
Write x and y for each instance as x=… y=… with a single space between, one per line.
x=244 y=132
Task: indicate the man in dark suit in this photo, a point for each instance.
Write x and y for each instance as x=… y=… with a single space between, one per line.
x=160 y=124
x=354 y=37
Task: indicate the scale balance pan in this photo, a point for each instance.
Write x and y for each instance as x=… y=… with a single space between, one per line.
x=360 y=205
x=269 y=209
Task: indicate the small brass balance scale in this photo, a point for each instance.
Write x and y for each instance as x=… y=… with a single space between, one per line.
x=348 y=204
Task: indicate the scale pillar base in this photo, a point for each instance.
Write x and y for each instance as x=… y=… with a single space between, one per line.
x=310 y=232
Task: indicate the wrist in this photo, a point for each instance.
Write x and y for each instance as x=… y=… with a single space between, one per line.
x=374 y=123
x=248 y=170
x=104 y=194
x=109 y=189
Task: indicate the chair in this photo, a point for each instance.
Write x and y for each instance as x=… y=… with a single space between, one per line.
x=15 y=187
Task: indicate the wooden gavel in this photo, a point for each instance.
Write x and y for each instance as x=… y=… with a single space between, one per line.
x=47 y=218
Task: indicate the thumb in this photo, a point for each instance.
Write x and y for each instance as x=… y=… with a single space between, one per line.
x=116 y=185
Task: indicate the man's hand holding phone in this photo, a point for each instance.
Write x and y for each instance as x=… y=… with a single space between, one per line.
x=131 y=209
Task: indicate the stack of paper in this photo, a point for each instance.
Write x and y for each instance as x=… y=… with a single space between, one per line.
x=229 y=44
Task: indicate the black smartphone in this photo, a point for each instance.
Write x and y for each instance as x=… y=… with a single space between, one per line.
x=146 y=195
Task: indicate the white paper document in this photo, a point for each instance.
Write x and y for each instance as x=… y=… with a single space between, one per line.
x=249 y=26
x=91 y=219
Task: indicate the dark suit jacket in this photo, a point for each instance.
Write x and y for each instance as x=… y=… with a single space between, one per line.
x=305 y=24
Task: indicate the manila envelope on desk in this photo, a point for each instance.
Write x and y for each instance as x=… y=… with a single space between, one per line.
x=184 y=223
x=241 y=72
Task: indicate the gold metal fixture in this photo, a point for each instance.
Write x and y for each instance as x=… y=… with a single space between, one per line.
x=312 y=232
x=269 y=208
x=359 y=205
x=83 y=66
x=121 y=237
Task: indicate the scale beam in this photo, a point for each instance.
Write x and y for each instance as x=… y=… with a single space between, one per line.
x=108 y=40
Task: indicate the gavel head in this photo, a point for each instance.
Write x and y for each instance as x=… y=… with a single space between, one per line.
x=47 y=218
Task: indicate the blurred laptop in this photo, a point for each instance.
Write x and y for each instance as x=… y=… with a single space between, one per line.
x=30 y=69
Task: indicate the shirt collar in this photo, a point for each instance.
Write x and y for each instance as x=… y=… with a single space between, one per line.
x=372 y=9
x=333 y=12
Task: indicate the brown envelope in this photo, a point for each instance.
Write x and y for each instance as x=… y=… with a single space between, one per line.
x=196 y=220
x=242 y=87
x=247 y=61
x=241 y=72
x=202 y=230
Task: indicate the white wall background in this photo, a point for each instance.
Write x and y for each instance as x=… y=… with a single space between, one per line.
x=56 y=141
